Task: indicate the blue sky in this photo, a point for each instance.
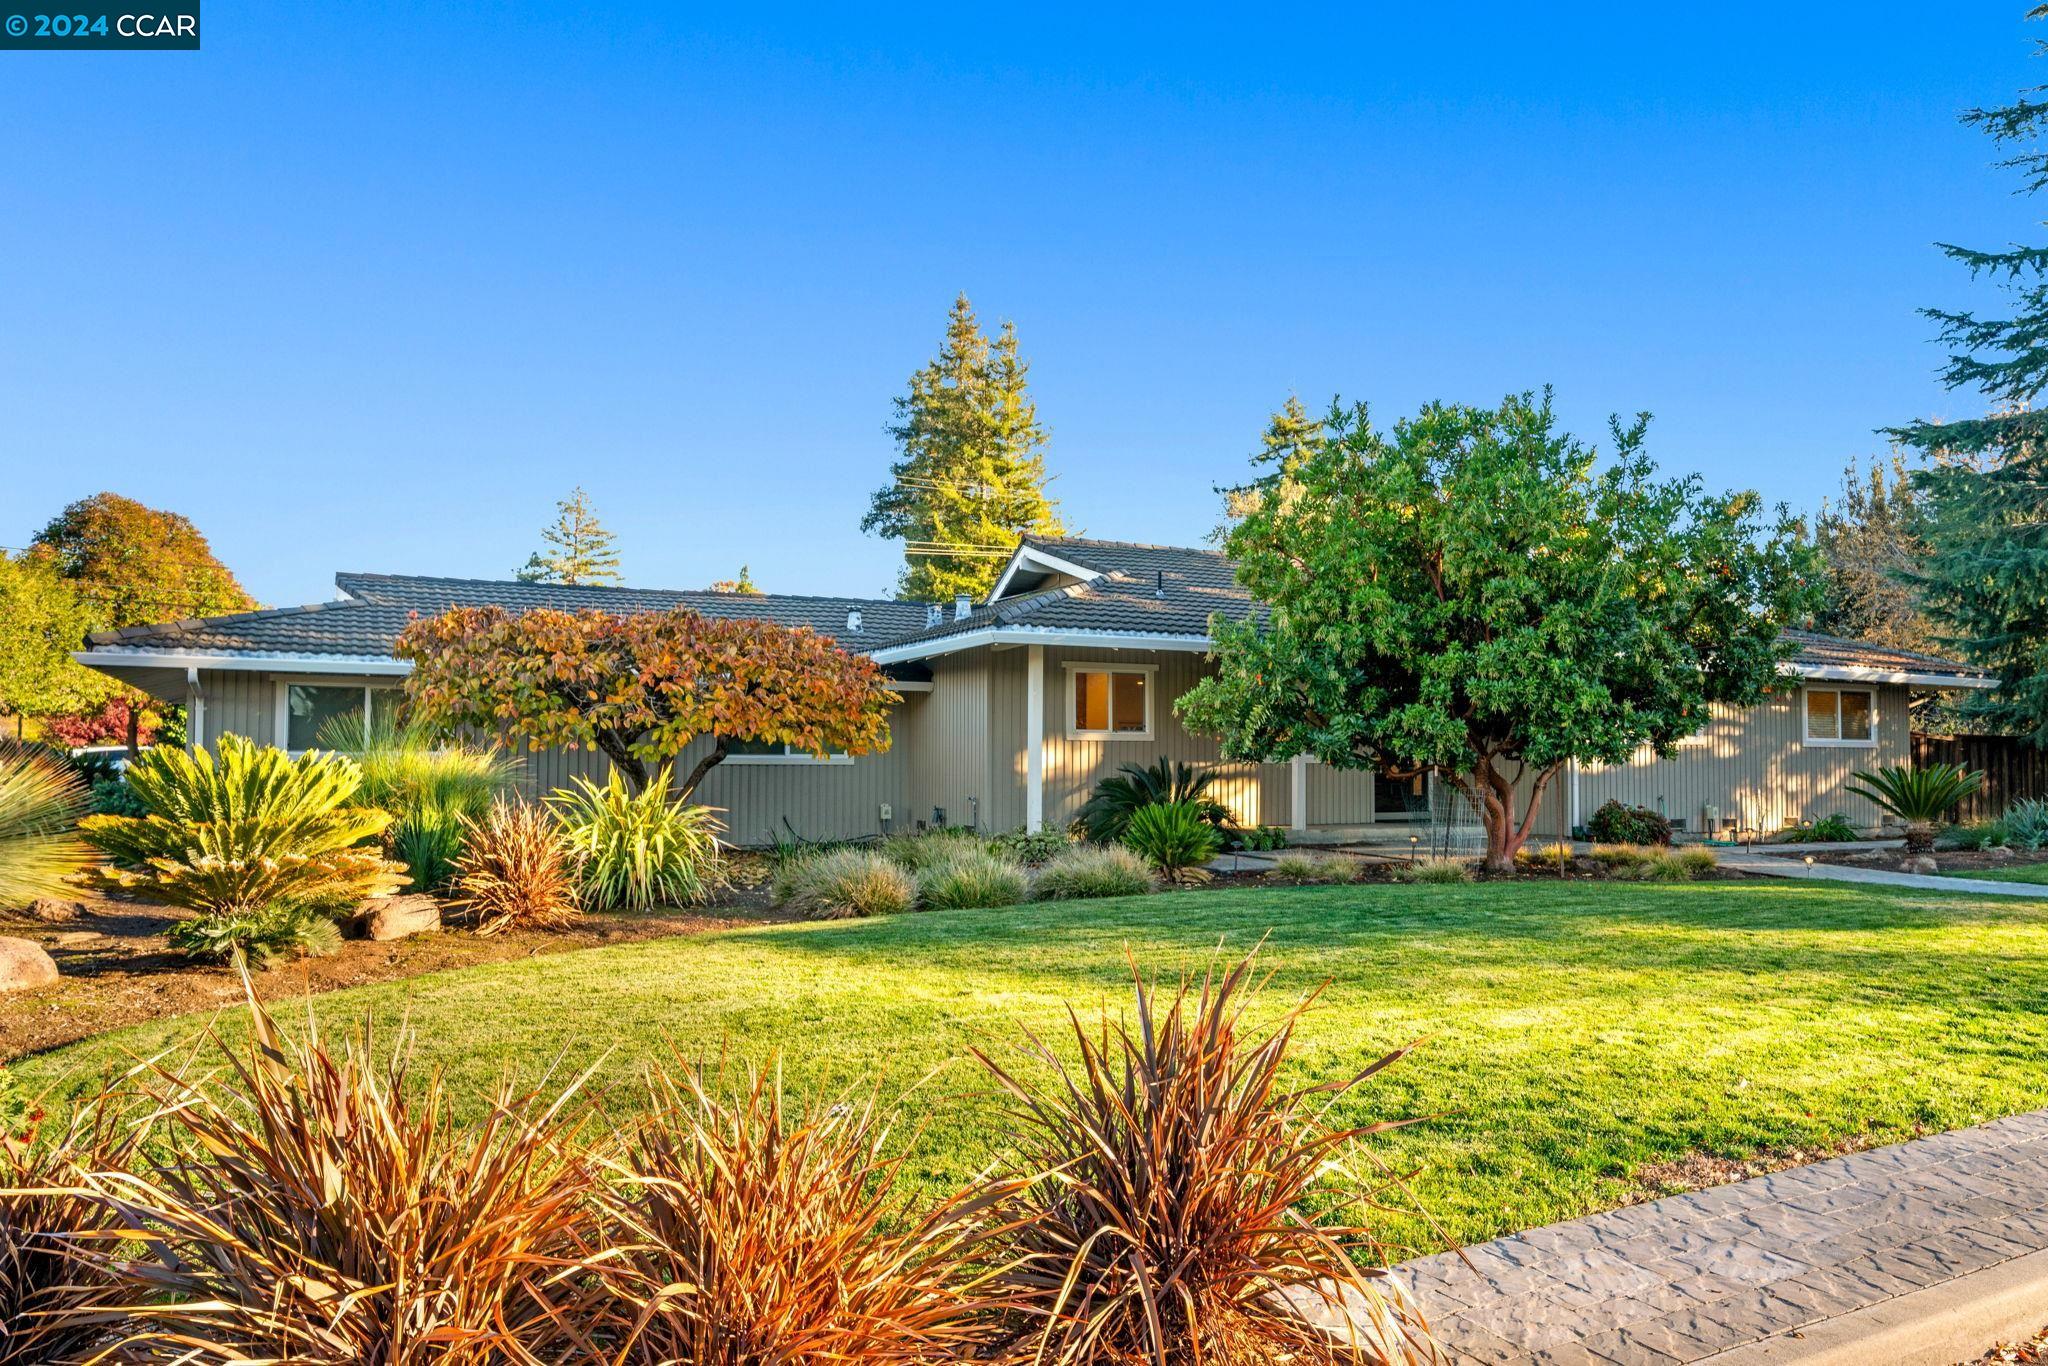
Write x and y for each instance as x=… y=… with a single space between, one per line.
x=368 y=286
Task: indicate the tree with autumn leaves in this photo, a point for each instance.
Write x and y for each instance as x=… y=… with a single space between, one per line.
x=641 y=688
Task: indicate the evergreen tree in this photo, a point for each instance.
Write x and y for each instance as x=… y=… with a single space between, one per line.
x=970 y=475
x=1985 y=579
x=1869 y=541
x=577 y=547
x=1290 y=438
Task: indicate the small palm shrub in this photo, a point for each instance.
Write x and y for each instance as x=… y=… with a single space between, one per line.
x=1093 y=870
x=638 y=850
x=1303 y=869
x=1107 y=814
x=1174 y=837
x=1172 y=1224
x=743 y=1229
x=323 y=1208
x=844 y=883
x=1919 y=797
x=916 y=852
x=1832 y=829
x=1619 y=823
x=40 y=802
x=2026 y=823
x=515 y=871
x=246 y=827
x=1433 y=870
x=263 y=936
x=974 y=876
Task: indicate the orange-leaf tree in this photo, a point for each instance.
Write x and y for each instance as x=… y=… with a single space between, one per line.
x=641 y=688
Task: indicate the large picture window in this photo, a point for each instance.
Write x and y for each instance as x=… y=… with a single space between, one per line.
x=1110 y=704
x=1841 y=716
x=305 y=710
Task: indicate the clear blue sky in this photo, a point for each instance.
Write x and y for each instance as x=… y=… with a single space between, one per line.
x=368 y=286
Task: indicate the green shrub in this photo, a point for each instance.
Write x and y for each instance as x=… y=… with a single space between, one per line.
x=971 y=877
x=638 y=849
x=920 y=850
x=843 y=883
x=40 y=798
x=1034 y=849
x=1092 y=870
x=1833 y=829
x=1433 y=870
x=263 y=936
x=1304 y=869
x=1177 y=838
x=1259 y=838
x=113 y=797
x=2026 y=824
x=1108 y=812
x=246 y=827
x=431 y=788
x=1618 y=823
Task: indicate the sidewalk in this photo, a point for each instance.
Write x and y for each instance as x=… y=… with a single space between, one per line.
x=1793 y=866
x=1761 y=1269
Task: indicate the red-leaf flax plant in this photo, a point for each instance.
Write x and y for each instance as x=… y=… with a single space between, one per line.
x=47 y=1287
x=321 y=1209
x=515 y=871
x=1171 y=1228
x=740 y=1230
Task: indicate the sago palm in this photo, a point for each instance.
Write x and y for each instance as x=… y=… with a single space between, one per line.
x=1919 y=797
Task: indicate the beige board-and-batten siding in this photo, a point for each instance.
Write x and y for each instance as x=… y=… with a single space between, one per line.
x=1756 y=766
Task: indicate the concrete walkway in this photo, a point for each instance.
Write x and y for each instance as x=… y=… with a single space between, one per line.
x=1765 y=1269
x=1794 y=866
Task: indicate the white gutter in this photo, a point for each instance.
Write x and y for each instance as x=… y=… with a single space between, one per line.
x=1026 y=635
x=1846 y=673
x=382 y=666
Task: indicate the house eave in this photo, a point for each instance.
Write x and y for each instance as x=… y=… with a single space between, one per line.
x=1026 y=635
x=1849 y=673
x=113 y=660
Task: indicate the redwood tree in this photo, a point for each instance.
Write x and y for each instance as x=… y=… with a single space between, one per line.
x=641 y=688
x=1473 y=595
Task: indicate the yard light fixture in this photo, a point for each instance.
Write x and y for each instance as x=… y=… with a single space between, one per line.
x=1413 y=840
x=1809 y=860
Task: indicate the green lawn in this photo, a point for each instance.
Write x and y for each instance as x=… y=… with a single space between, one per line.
x=2019 y=872
x=1575 y=1031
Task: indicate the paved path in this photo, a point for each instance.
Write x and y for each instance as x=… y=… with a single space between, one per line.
x=1687 y=1277
x=1773 y=865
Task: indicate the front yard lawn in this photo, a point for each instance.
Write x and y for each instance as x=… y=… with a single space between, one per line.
x=1577 y=1032
x=2018 y=872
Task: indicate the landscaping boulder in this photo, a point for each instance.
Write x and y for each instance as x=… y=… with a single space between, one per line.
x=52 y=910
x=397 y=917
x=23 y=964
x=1922 y=864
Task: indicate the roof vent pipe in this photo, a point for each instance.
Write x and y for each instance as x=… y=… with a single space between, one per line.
x=933 y=614
x=1159 y=587
x=963 y=607
x=853 y=620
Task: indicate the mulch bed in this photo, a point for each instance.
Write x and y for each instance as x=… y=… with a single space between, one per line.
x=118 y=969
x=1950 y=860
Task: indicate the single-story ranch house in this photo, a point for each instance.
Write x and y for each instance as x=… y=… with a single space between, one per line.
x=1011 y=710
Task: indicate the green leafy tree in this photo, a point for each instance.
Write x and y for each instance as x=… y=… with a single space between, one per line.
x=577 y=548
x=743 y=585
x=970 y=475
x=1870 y=540
x=42 y=620
x=1470 y=595
x=1985 y=577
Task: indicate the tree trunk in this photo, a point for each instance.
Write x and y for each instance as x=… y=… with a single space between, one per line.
x=1494 y=793
x=624 y=760
x=1919 y=838
x=704 y=766
x=134 y=732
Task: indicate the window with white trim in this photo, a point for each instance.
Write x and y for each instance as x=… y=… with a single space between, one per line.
x=306 y=710
x=1109 y=703
x=1841 y=716
x=739 y=751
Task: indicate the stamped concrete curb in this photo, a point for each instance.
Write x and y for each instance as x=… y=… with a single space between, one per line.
x=1939 y=1325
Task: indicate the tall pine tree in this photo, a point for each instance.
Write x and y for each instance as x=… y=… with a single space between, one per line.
x=576 y=549
x=970 y=476
x=1985 y=580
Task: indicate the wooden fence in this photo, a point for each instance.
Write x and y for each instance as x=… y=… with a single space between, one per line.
x=2012 y=768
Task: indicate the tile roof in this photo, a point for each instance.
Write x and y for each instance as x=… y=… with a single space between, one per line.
x=1148 y=589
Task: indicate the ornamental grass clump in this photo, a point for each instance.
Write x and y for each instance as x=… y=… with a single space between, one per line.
x=1174 y=837
x=245 y=828
x=917 y=852
x=638 y=850
x=1437 y=871
x=515 y=871
x=972 y=876
x=41 y=799
x=1169 y=1224
x=430 y=785
x=737 y=1228
x=844 y=883
x=1301 y=869
x=322 y=1208
x=1093 y=870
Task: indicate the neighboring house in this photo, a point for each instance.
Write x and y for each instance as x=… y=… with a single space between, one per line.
x=1011 y=710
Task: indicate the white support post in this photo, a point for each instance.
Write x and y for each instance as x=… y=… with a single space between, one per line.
x=1034 y=739
x=1297 y=794
x=195 y=712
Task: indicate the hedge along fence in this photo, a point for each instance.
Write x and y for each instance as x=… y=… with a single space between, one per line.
x=2013 y=769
